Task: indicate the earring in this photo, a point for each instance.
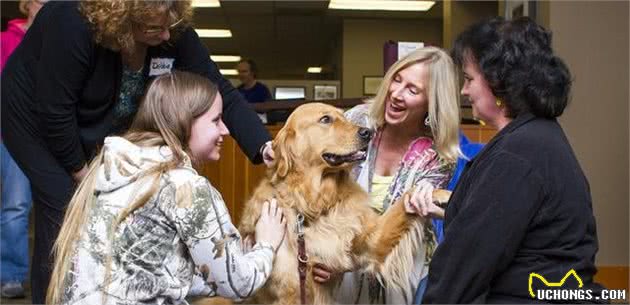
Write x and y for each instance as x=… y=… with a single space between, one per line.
x=427 y=122
x=499 y=103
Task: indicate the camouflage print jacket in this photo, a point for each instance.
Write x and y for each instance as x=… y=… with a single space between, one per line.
x=180 y=243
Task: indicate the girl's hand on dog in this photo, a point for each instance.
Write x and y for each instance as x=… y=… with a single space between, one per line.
x=272 y=225
x=421 y=202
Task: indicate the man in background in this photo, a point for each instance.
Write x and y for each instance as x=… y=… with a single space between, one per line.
x=253 y=90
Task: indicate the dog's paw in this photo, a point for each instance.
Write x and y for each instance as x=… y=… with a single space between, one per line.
x=441 y=196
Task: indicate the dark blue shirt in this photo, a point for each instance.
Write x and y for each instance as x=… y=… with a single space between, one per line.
x=257 y=94
x=522 y=205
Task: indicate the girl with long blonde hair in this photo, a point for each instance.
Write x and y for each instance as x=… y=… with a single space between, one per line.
x=144 y=227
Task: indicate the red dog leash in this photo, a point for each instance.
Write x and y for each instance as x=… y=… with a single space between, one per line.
x=302 y=256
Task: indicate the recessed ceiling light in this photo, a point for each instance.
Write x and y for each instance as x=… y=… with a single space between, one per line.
x=228 y=71
x=225 y=58
x=314 y=70
x=213 y=33
x=383 y=5
x=206 y=3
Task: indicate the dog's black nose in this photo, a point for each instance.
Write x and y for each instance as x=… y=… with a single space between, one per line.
x=365 y=134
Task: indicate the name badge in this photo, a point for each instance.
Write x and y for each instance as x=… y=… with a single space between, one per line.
x=160 y=66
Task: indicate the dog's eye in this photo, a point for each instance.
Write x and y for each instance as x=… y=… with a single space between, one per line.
x=325 y=119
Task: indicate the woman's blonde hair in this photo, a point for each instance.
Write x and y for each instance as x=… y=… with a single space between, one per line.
x=113 y=20
x=442 y=94
x=165 y=117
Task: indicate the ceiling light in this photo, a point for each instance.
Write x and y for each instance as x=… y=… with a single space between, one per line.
x=206 y=3
x=382 y=5
x=225 y=58
x=314 y=70
x=228 y=71
x=213 y=33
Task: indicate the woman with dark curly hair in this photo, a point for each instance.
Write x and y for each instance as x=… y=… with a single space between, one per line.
x=523 y=204
x=76 y=78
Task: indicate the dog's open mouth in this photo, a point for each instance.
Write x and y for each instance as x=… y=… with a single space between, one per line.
x=336 y=160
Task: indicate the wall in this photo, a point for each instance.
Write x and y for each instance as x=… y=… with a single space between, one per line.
x=458 y=15
x=542 y=13
x=363 y=41
x=592 y=38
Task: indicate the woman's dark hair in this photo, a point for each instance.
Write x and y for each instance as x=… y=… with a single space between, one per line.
x=516 y=59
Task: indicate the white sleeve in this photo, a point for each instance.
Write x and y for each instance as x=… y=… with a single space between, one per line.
x=204 y=225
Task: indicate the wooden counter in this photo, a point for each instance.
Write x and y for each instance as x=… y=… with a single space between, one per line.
x=478 y=133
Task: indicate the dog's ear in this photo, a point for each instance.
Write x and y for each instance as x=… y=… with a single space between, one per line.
x=283 y=153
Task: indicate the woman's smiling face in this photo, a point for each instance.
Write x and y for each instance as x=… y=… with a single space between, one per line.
x=407 y=101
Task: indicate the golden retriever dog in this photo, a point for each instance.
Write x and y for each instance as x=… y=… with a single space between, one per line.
x=314 y=153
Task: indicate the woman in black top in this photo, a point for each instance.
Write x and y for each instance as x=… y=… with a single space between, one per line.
x=76 y=78
x=523 y=205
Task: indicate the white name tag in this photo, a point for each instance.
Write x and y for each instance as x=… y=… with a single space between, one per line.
x=160 y=66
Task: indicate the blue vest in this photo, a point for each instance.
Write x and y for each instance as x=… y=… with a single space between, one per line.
x=470 y=150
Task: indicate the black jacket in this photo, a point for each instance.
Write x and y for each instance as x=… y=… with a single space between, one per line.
x=61 y=86
x=522 y=205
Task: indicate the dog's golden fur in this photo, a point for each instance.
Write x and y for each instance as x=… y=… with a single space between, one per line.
x=342 y=231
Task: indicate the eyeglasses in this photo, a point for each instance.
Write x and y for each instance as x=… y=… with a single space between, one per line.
x=160 y=29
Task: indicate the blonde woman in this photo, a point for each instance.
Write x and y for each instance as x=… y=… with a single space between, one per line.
x=144 y=227
x=416 y=117
x=77 y=77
